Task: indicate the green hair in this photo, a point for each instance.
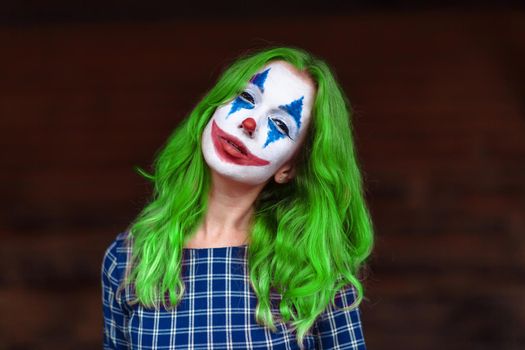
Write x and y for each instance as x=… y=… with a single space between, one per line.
x=309 y=238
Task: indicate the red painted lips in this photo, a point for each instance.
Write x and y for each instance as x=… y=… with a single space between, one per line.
x=230 y=149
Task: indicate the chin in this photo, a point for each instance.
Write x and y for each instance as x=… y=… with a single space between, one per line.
x=245 y=176
x=249 y=175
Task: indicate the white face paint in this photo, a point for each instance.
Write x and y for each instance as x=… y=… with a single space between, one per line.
x=249 y=138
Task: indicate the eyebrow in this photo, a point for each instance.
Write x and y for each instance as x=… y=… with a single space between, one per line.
x=259 y=79
x=294 y=109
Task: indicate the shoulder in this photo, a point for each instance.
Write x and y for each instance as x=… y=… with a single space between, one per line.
x=339 y=326
x=115 y=258
x=345 y=297
x=345 y=300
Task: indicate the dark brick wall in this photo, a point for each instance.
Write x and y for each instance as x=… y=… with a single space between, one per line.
x=439 y=115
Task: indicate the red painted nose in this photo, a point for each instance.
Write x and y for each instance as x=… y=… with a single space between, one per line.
x=249 y=125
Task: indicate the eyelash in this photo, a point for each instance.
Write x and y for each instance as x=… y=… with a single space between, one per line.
x=281 y=126
x=245 y=95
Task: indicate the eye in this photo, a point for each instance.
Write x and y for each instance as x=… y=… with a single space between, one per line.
x=282 y=126
x=245 y=95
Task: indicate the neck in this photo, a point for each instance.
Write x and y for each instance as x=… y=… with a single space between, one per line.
x=229 y=213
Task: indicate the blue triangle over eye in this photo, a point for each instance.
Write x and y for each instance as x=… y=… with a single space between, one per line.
x=273 y=134
x=238 y=104
x=295 y=108
x=259 y=79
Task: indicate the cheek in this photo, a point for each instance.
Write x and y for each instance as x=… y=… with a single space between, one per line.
x=221 y=112
x=279 y=151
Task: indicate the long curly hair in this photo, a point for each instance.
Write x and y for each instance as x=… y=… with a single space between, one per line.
x=309 y=238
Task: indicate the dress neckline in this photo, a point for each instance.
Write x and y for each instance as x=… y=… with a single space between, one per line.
x=216 y=248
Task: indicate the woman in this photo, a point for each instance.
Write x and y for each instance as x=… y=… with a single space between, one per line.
x=258 y=227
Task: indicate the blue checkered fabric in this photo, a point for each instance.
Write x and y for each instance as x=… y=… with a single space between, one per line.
x=217 y=310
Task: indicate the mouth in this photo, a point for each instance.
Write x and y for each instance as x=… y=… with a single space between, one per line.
x=232 y=150
x=239 y=146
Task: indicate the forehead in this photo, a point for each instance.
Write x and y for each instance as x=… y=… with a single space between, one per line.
x=280 y=78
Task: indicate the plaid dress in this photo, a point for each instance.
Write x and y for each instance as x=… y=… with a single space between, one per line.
x=217 y=310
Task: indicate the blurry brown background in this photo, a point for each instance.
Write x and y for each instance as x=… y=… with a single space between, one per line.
x=438 y=93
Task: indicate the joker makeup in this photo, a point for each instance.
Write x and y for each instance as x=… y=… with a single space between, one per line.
x=250 y=137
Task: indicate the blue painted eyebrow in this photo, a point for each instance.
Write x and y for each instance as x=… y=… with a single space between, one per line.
x=259 y=79
x=294 y=109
